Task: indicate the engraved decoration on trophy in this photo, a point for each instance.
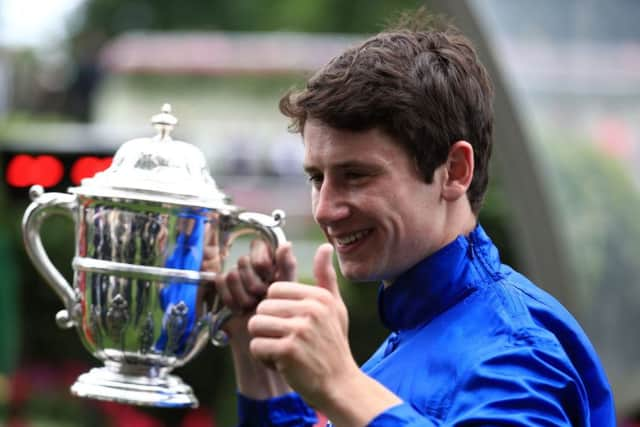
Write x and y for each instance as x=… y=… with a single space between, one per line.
x=139 y=300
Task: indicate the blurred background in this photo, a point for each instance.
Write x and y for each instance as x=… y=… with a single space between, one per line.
x=80 y=77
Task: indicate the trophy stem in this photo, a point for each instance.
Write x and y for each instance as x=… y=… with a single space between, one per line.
x=135 y=385
x=150 y=372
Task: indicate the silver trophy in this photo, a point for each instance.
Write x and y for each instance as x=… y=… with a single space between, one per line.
x=139 y=300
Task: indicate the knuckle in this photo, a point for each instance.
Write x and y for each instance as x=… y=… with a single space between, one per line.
x=232 y=277
x=257 y=288
x=225 y=296
x=248 y=301
x=220 y=282
x=273 y=289
x=255 y=348
x=288 y=345
x=302 y=327
x=227 y=300
x=325 y=297
x=262 y=307
x=289 y=263
x=315 y=312
x=263 y=267
x=243 y=262
x=252 y=324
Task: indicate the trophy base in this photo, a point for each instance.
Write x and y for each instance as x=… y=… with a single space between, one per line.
x=167 y=391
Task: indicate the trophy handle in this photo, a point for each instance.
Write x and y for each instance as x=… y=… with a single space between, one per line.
x=270 y=227
x=42 y=206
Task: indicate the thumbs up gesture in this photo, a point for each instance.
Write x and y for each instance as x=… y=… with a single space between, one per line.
x=302 y=332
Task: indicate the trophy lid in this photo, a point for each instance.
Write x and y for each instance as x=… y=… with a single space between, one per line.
x=158 y=169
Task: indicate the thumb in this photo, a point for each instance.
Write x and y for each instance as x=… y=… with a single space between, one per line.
x=323 y=269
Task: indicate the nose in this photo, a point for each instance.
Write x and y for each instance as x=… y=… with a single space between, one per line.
x=329 y=204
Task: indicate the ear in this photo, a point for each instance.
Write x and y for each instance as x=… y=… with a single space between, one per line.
x=459 y=171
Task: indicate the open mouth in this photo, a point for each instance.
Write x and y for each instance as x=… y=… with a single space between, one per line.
x=351 y=239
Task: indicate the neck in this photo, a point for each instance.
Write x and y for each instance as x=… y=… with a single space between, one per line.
x=460 y=221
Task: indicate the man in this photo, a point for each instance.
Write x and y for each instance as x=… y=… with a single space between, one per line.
x=397 y=136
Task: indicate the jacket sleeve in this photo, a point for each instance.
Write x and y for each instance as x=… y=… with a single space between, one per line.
x=516 y=387
x=288 y=410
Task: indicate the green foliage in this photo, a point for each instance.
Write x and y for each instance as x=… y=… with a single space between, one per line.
x=113 y=17
x=598 y=203
x=266 y=86
x=9 y=327
x=495 y=218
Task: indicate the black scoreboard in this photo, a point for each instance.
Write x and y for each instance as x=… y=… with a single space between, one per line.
x=54 y=170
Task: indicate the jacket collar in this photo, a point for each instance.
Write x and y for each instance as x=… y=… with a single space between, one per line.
x=438 y=281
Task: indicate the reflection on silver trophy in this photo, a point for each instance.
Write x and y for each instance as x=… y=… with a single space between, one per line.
x=139 y=300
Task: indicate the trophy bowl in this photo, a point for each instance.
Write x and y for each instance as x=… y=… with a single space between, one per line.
x=139 y=299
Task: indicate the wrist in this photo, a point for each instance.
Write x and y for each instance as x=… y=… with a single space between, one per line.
x=253 y=379
x=372 y=399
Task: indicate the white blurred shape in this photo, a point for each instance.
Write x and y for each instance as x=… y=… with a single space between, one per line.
x=33 y=23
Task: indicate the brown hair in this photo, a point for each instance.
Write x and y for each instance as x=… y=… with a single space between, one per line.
x=425 y=88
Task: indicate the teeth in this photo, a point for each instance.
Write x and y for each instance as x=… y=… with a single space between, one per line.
x=346 y=240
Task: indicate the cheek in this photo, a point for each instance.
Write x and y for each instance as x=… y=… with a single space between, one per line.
x=398 y=206
x=406 y=216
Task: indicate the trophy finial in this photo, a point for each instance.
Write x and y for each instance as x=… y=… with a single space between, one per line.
x=164 y=122
x=36 y=191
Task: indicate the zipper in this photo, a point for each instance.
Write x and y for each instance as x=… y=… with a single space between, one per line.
x=392 y=344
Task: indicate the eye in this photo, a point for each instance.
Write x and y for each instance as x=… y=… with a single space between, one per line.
x=351 y=175
x=355 y=175
x=315 y=179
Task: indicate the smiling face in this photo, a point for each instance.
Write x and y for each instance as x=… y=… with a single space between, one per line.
x=371 y=203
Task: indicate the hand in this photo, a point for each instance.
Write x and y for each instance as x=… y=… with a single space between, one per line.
x=302 y=331
x=241 y=288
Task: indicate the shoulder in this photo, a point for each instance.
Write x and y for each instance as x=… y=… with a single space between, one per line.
x=509 y=310
x=516 y=362
x=510 y=316
x=522 y=382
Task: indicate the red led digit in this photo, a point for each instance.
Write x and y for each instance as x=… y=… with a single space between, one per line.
x=17 y=174
x=88 y=166
x=24 y=170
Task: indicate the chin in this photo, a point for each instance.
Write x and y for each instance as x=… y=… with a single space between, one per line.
x=359 y=279
x=358 y=275
x=350 y=274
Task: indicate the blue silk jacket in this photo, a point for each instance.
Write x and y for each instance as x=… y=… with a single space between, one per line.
x=473 y=343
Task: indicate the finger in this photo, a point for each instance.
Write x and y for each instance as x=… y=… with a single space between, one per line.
x=323 y=270
x=268 y=351
x=261 y=259
x=261 y=325
x=250 y=279
x=292 y=290
x=286 y=308
x=241 y=299
x=211 y=252
x=210 y=234
x=211 y=259
x=222 y=288
x=212 y=266
x=286 y=263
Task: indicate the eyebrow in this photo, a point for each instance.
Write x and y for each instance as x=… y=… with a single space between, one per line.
x=341 y=165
